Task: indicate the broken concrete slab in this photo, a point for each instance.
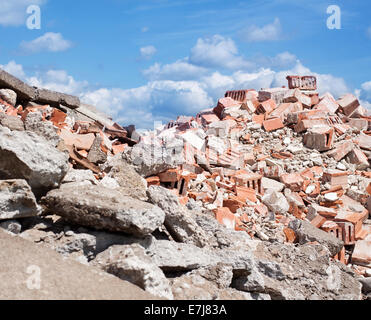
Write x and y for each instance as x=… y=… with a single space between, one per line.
x=25 y=155
x=56 y=99
x=34 y=122
x=150 y=159
x=61 y=279
x=12 y=122
x=178 y=221
x=17 y=200
x=24 y=91
x=306 y=232
x=104 y=209
x=131 y=263
x=9 y=96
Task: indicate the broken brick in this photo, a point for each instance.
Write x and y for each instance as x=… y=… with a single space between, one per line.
x=273 y=124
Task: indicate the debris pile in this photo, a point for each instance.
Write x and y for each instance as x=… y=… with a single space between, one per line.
x=264 y=196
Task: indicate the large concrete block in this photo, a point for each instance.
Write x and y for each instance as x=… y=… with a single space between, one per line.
x=24 y=91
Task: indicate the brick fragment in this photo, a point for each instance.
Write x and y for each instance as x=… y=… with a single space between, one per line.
x=244 y=194
x=356 y=156
x=362 y=253
x=290 y=235
x=320 y=138
x=348 y=103
x=80 y=141
x=341 y=150
x=225 y=103
x=273 y=124
x=293 y=181
x=266 y=107
x=302 y=82
x=153 y=181
x=335 y=177
x=225 y=217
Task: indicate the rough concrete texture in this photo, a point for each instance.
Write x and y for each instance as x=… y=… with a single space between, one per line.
x=306 y=232
x=150 y=160
x=17 y=200
x=60 y=279
x=23 y=90
x=178 y=220
x=131 y=263
x=130 y=182
x=45 y=129
x=102 y=208
x=8 y=96
x=11 y=122
x=24 y=155
x=56 y=98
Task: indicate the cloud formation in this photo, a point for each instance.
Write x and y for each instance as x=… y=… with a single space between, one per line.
x=269 y=32
x=13 y=12
x=218 y=52
x=50 y=42
x=148 y=52
x=187 y=85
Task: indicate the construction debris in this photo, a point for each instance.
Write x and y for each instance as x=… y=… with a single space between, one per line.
x=274 y=169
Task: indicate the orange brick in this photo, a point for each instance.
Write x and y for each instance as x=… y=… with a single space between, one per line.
x=225 y=217
x=58 y=117
x=293 y=181
x=171 y=175
x=153 y=181
x=273 y=124
x=233 y=203
x=318 y=221
x=244 y=194
x=119 y=148
x=290 y=235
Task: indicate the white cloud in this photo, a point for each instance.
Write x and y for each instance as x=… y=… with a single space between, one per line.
x=218 y=51
x=145 y=29
x=165 y=99
x=15 y=69
x=269 y=32
x=13 y=12
x=58 y=80
x=50 y=41
x=364 y=94
x=179 y=70
x=148 y=52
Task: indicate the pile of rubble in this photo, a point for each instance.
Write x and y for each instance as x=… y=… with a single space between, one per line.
x=262 y=197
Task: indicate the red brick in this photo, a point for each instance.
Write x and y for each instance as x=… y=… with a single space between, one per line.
x=302 y=82
x=225 y=103
x=293 y=181
x=225 y=217
x=118 y=148
x=290 y=235
x=341 y=150
x=273 y=124
x=244 y=194
x=348 y=103
x=318 y=221
x=266 y=107
x=233 y=203
x=153 y=181
x=171 y=175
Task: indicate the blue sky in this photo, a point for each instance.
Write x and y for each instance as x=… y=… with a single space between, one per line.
x=151 y=60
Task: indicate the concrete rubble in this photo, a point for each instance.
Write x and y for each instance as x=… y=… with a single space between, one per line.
x=264 y=197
